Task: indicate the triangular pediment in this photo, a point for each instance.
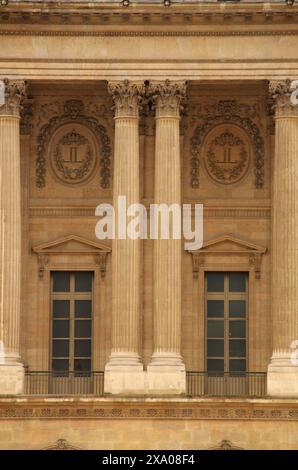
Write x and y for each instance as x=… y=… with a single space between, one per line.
x=229 y=243
x=72 y=244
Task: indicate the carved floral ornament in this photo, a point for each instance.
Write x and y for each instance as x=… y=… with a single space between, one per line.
x=168 y=97
x=76 y=167
x=130 y=97
x=232 y=115
x=72 y=153
x=226 y=154
x=61 y=444
x=280 y=92
x=12 y=93
x=127 y=97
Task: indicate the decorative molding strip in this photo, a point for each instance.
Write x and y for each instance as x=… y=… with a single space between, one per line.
x=209 y=212
x=4 y=32
x=97 y=409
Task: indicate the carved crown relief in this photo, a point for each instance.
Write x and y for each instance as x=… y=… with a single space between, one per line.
x=231 y=115
x=226 y=154
x=72 y=153
x=70 y=139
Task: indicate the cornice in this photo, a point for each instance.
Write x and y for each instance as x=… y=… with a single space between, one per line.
x=97 y=13
x=183 y=409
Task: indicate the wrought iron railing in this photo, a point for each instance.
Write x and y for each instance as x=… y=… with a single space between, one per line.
x=64 y=383
x=198 y=384
x=228 y=384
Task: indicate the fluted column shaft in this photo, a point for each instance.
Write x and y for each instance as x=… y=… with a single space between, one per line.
x=285 y=225
x=285 y=240
x=126 y=252
x=10 y=230
x=167 y=252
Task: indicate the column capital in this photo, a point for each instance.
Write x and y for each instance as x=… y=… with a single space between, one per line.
x=168 y=97
x=280 y=92
x=127 y=97
x=14 y=92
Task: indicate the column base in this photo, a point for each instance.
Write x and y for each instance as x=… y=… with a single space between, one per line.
x=166 y=375
x=12 y=379
x=282 y=377
x=124 y=375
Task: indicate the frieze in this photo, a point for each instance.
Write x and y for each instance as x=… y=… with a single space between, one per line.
x=152 y=14
x=166 y=410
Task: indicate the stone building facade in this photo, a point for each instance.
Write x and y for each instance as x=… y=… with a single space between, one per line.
x=110 y=344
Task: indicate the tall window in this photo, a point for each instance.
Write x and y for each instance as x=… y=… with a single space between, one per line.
x=226 y=297
x=71 y=301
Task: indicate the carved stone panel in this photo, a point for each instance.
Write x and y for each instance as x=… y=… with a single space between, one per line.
x=226 y=154
x=72 y=153
x=74 y=116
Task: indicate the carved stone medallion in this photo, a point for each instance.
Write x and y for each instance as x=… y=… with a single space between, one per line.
x=72 y=153
x=226 y=154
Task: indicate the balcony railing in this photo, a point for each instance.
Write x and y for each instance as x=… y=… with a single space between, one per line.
x=198 y=384
x=64 y=383
x=248 y=384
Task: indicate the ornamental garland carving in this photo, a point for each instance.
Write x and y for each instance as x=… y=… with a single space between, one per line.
x=227 y=112
x=226 y=155
x=73 y=112
x=73 y=157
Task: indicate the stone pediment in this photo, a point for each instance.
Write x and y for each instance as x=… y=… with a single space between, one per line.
x=227 y=245
x=72 y=245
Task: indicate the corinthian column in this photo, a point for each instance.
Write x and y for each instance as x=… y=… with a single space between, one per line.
x=283 y=368
x=166 y=372
x=11 y=370
x=124 y=370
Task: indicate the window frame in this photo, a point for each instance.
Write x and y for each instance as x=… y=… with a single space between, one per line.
x=226 y=296
x=71 y=295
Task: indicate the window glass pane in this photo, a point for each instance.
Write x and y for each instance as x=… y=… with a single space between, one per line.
x=82 y=365
x=215 y=347
x=60 y=365
x=237 y=365
x=60 y=348
x=237 y=347
x=215 y=365
x=61 y=281
x=83 y=308
x=83 y=329
x=83 y=281
x=61 y=308
x=215 y=308
x=60 y=329
x=215 y=282
x=215 y=329
x=82 y=348
x=237 y=308
x=237 y=282
x=237 y=329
